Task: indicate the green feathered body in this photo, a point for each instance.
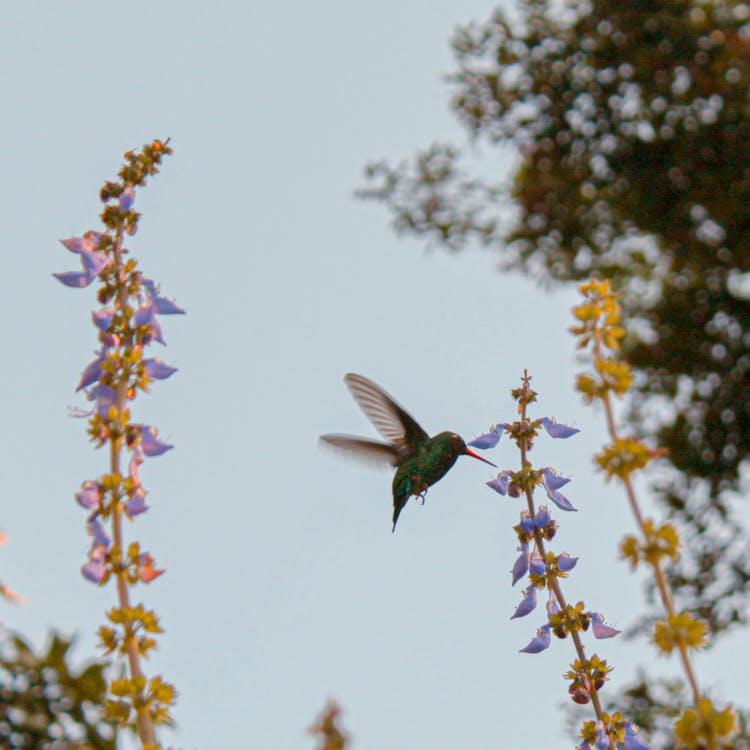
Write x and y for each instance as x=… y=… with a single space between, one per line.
x=428 y=464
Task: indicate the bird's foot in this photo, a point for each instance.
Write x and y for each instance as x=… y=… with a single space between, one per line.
x=422 y=496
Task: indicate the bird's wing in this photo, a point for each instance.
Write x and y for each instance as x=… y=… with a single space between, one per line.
x=362 y=449
x=390 y=419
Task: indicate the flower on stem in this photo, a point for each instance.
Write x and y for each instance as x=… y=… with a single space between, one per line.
x=150 y=444
x=540 y=642
x=599 y=629
x=157 y=369
x=556 y=430
x=488 y=439
x=89 y=497
x=95 y=570
x=521 y=565
x=528 y=603
x=161 y=305
x=631 y=740
x=92 y=373
x=551 y=483
x=93 y=261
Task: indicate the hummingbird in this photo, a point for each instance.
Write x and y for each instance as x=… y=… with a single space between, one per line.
x=420 y=460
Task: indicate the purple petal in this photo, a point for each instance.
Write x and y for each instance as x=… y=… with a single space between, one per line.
x=75 y=279
x=165 y=306
x=91 y=374
x=602 y=741
x=556 y=430
x=162 y=305
x=88 y=497
x=561 y=501
x=488 y=439
x=542 y=517
x=553 y=607
x=526 y=524
x=537 y=566
x=521 y=565
x=87 y=243
x=95 y=569
x=631 y=741
x=101 y=538
x=104 y=397
x=158 y=370
x=552 y=480
x=143 y=315
x=599 y=629
x=540 y=642
x=127 y=198
x=74 y=244
x=150 y=445
x=565 y=562
x=94 y=262
x=137 y=503
x=103 y=318
x=500 y=483
x=528 y=603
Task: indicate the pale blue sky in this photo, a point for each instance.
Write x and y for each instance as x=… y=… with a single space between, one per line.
x=284 y=584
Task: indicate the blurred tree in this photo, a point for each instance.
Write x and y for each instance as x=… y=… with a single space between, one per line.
x=631 y=118
x=45 y=705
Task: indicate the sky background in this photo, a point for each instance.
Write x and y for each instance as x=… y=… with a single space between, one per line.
x=284 y=584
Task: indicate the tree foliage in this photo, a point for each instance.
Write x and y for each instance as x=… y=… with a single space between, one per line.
x=45 y=704
x=632 y=123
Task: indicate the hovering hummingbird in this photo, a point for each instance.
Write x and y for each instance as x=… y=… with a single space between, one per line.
x=421 y=460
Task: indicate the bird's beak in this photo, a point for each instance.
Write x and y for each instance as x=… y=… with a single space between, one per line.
x=474 y=455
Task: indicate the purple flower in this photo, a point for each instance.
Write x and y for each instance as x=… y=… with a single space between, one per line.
x=103 y=318
x=565 y=562
x=88 y=497
x=556 y=430
x=150 y=445
x=488 y=439
x=74 y=279
x=96 y=568
x=542 y=517
x=100 y=536
x=540 y=642
x=104 y=397
x=161 y=305
x=146 y=315
x=527 y=524
x=599 y=629
x=521 y=565
x=602 y=740
x=528 y=603
x=537 y=566
x=500 y=482
x=92 y=373
x=93 y=261
x=137 y=503
x=550 y=482
x=158 y=370
x=127 y=198
x=631 y=741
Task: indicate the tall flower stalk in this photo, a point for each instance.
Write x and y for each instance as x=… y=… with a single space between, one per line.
x=599 y=330
x=545 y=570
x=126 y=323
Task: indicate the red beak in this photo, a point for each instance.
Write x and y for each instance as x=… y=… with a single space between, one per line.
x=474 y=455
